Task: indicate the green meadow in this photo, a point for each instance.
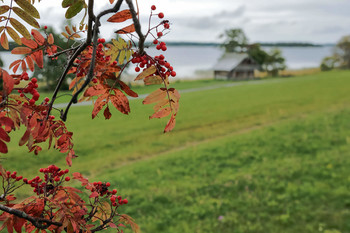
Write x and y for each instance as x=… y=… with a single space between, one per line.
x=267 y=156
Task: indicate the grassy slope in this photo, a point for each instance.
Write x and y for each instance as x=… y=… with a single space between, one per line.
x=262 y=156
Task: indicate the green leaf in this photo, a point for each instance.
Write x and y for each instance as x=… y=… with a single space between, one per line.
x=26 y=17
x=67 y=3
x=29 y=8
x=20 y=28
x=74 y=9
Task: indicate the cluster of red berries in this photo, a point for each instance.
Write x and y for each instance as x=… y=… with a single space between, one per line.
x=164 y=68
x=53 y=176
x=30 y=88
x=120 y=201
x=160 y=45
x=13 y=175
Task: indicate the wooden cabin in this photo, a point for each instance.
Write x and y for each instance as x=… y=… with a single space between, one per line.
x=235 y=66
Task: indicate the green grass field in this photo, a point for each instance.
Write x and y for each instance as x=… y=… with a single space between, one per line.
x=266 y=156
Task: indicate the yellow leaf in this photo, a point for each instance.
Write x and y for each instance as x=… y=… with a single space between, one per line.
x=29 y=8
x=26 y=17
x=147 y=72
x=14 y=35
x=121 y=57
x=20 y=28
x=4 y=9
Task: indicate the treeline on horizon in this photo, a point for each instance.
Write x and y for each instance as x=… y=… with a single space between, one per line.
x=183 y=43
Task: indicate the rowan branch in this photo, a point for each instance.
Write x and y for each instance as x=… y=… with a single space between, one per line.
x=40 y=223
x=137 y=26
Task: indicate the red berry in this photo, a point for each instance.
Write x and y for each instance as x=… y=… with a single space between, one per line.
x=125 y=201
x=166 y=25
x=167 y=65
x=114 y=191
x=161 y=15
x=66 y=171
x=67 y=178
x=161 y=57
x=99 y=183
x=94 y=80
x=19 y=102
x=25 y=180
x=137 y=69
x=153 y=7
x=160 y=34
x=32 y=102
x=155 y=42
x=34 y=80
x=108 y=184
x=158 y=47
x=45 y=27
x=41 y=170
x=114 y=204
x=164 y=48
x=46 y=99
x=173 y=73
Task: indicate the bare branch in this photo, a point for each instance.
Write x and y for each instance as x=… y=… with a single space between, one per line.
x=40 y=223
x=137 y=25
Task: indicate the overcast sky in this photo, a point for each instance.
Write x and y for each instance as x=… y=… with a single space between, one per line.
x=318 y=21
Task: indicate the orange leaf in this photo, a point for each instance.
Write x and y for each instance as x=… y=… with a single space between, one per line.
x=21 y=50
x=127 y=29
x=111 y=1
x=38 y=37
x=3 y=147
x=15 y=63
x=24 y=138
x=127 y=89
x=121 y=16
x=50 y=39
x=4 y=41
x=107 y=113
x=30 y=43
x=30 y=63
x=150 y=80
x=94 y=90
x=161 y=113
x=4 y=136
x=120 y=101
x=171 y=124
x=9 y=82
x=155 y=96
x=147 y=72
x=97 y=108
x=38 y=58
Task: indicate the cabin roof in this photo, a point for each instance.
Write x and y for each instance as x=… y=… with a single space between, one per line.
x=229 y=61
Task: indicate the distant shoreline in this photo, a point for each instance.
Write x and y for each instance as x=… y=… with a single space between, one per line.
x=272 y=44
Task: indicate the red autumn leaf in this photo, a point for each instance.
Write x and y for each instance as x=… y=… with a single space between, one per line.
x=50 y=39
x=171 y=124
x=111 y=1
x=94 y=194
x=4 y=41
x=127 y=89
x=3 y=147
x=24 y=138
x=121 y=16
x=38 y=37
x=127 y=29
x=30 y=43
x=107 y=113
x=4 y=136
x=21 y=50
x=97 y=108
x=155 y=96
x=30 y=63
x=18 y=223
x=38 y=58
x=120 y=101
x=94 y=90
x=161 y=113
x=9 y=82
x=8 y=123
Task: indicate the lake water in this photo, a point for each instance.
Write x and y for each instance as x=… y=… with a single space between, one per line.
x=193 y=62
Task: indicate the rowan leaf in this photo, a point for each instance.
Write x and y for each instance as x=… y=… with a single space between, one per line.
x=38 y=58
x=127 y=89
x=171 y=124
x=3 y=172
x=107 y=113
x=147 y=72
x=74 y=9
x=121 y=57
x=20 y=28
x=67 y=3
x=4 y=41
x=26 y=17
x=151 y=80
x=111 y=1
x=7 y=122
x=98 y=107
x=95 y=90
x=29 y=8
x=50 y=39
x=121 y=16
x=21 y=50
x=3 y=147
x=8 y=82
x=161 y=113
x=4 y=136
x=4 y=9
x=30 y=63
x=24 y=138
x=14 y=63
x=38 y=37
x=127 y=29
x=120 y=101
x=30 y=43
x=155 y=96
x=14 y=35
